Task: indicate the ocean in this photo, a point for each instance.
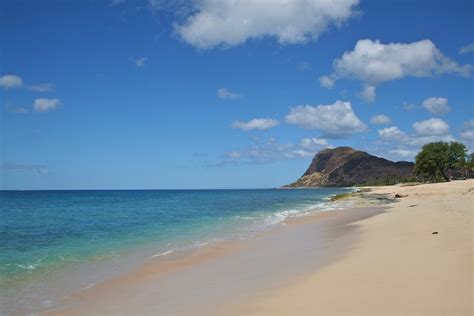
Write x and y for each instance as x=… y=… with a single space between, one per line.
x=55 y=242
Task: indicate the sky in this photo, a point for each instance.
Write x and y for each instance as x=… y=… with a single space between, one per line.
x=200 y=94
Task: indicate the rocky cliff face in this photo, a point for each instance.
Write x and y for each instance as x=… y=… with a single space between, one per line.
x=344 y=166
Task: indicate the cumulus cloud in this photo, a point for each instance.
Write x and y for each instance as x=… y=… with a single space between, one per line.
x=373 y=63
x=226 y=94
x=336 y=120
x=380 y=119
x=467 y=49
x=425 y=132
x=10 y=81
x=404 y=145
x=391 y=133
x=229 y=23
x=313 y=143
x=43 y=87
x=437 y=106
x=45 y=105
x=271 y=150
x=431 y=127
x=258 y=123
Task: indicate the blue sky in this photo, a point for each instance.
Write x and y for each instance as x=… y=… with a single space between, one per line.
x=224 y=94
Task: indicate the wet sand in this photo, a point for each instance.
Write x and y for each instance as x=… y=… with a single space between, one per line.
x=415 y=259
x=363 y=261
x=209 y=279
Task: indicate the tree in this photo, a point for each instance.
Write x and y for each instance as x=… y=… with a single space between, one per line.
x=469 y=165
x=435 y=160
x=470 y=161
x=457 y=155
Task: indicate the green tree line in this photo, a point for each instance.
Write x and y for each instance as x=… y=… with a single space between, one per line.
x=442 y=160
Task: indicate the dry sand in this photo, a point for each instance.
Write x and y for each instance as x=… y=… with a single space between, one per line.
x=370 y=261
x=398 y=267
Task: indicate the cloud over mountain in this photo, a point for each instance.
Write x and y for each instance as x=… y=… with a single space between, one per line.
x=336 y=120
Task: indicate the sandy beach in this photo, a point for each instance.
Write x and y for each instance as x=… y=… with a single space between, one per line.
x=415 y=259
x=411 y=257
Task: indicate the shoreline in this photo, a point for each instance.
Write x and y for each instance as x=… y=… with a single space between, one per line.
x=414 y=259
x=327 y=263
x=157 y=275
x=44 y=285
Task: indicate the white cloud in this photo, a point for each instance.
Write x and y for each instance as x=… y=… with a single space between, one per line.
x=45 y=105
x=437 y=106
x=368 y=93
x=404 y=153
x=467 y=135
x=431 y=127
x=229 y=23
x=373 y=63
x=327 y=81
x=380 y=119
x=467 y=49
x=417 y=141
x=336 y=120
x=271 y=150
x=226 y=94
x=260 y=124
x=406 y=146
x=10 y=81
x=43 y=87
x=308 y=147
x=467 y=131
x=262 y=152
x=311 y=142
x=392 y=133
x=140 y=62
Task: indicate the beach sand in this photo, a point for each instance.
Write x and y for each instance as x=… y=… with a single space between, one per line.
x=398 y=267
x=365 y=261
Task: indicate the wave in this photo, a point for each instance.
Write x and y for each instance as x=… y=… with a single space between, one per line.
x=328 y=205
x=165 y=253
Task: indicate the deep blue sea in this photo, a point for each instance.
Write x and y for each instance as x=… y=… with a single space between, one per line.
x=46 y=236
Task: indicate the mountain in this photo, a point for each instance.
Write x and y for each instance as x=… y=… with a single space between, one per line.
x=344 y=166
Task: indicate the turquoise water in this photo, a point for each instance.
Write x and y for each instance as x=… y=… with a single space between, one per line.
x=45 y=233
